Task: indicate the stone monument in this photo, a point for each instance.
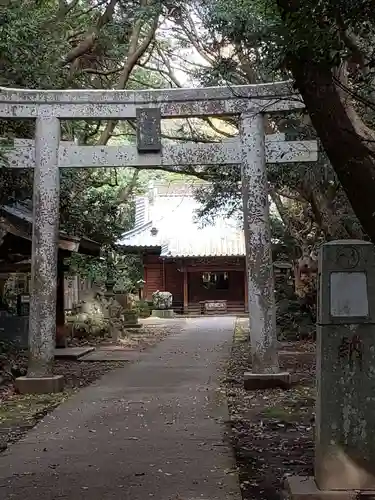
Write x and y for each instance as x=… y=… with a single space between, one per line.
x=162 y=304
x=345 y=407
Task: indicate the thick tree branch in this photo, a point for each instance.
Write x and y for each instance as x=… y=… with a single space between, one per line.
x=287 y=219
x=134 y=54
x=192 y=35
x=88 y=42
x=93 y=71
x=127 y=191
x=169 y=72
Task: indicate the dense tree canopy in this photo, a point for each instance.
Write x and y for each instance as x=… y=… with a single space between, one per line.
x=325 y=46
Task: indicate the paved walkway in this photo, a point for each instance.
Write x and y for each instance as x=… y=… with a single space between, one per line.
x=153 y=429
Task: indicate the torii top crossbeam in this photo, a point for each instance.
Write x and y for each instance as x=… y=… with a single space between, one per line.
x=122 y=104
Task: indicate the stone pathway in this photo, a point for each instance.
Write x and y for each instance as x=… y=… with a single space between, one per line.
x=154 y=429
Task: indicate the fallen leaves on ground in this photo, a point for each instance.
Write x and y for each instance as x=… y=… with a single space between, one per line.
x=133 y=338
x=272 y=431
x=19 y=413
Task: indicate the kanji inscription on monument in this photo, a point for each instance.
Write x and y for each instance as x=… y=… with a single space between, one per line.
x=148 y=130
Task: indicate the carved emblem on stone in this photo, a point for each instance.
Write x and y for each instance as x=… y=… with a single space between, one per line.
x=347 y=258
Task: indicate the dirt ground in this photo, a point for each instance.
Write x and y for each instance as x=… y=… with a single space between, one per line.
x=272 y=431
x=19 y=413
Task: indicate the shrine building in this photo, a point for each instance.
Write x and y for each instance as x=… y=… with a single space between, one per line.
x=203 y=267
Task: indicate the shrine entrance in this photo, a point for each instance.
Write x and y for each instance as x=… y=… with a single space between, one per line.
x=217 y=292
x=215 y=285
x=251 y=150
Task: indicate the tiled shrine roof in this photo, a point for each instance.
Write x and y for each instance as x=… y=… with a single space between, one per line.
x=166 y=223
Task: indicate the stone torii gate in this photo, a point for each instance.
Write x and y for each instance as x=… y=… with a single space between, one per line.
x=251 y=150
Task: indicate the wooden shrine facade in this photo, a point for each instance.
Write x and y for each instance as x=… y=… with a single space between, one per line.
x=200 y=285
x=15 y=257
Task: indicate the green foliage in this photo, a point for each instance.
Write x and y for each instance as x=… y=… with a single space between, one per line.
x=284 y=246
x=127 y=270
x=88 y=326
x=254 y=30
x=37 y=44
x=250 y=42
x=130 y=317
x=144 y=309
x=30 y=50
x=268 y=27
x=97 y=212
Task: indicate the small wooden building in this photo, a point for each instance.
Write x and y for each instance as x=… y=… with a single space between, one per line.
x=16 y=223
x=203 y=267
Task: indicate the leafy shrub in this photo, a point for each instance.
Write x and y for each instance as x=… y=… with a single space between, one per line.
x=144 y=309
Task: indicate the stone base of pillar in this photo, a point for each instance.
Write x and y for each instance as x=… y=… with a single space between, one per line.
x=305 y=488
x=254 y=381
x=39 y=385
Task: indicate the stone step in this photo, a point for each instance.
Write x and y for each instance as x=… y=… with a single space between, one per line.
x=112 y=355
x=72 y=353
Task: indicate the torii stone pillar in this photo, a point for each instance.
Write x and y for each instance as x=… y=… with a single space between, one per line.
x=42 y=319
x=261 y=298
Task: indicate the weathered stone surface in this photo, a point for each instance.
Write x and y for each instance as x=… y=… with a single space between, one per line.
x=73 y=353
x=148 y=130
x=254 y=381
x=345 y=431
x=257 y=227
x=140 y=97
x=227 y=152
x=40 y=385
x=172 y=103
x=163 y=313
x=42 y=318
x=162 y=300
x=51 y=106
x=305 y=488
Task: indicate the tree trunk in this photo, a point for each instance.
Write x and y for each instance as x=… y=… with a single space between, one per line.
x=340 y=130
x=352 y=160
